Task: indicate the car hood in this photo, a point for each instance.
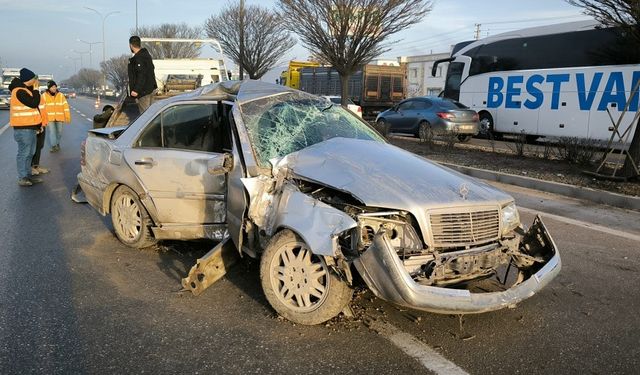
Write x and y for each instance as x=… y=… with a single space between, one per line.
x=382 y=175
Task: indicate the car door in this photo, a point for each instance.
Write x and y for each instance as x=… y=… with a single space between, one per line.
x=418 y=112
x=172 y=156
x=398 y=121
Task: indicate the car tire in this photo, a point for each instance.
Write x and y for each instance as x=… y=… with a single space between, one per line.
x=425 y=132
x=286 y=270
x=383 y=127
x=131 y=221
x=487 y=126
x=464 y=138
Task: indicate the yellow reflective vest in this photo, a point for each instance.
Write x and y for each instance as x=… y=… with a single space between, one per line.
x=57 y=107
x=22 y=115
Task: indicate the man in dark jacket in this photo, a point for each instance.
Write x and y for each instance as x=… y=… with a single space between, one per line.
x=142 y=78
x=26 y=120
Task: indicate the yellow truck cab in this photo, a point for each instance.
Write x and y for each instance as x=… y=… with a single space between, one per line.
x=291 y=76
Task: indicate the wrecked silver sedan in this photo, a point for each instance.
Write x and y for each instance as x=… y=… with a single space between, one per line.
x=318 y=195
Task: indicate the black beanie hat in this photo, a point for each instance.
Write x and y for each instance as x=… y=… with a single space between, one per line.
x=51 y=83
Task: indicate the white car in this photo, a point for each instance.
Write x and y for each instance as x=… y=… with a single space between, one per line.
x=353 y=107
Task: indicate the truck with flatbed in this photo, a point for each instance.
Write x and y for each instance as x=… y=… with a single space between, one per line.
x=375 y=88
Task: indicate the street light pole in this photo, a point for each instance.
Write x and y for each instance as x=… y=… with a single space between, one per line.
x=90 y=50
x=80 y=53
x=104 y=43
x=136 y=17
x=75 y=62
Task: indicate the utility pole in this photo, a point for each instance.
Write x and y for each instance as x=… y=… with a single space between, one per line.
x=476 y=34
x=241 y=52
x=136 y=17
x=90 y=50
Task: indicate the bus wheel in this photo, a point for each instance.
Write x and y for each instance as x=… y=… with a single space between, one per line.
x=486 y=126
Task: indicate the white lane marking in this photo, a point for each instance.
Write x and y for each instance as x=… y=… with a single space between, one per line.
x=584 y=224
x=416 y=349
x=4 y=128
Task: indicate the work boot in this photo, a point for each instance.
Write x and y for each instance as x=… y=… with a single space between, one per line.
x=34 y=171
x=42 y=170
x=35 y=180
x=24 y=182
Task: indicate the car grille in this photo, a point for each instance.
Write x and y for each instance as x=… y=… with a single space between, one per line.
x=464 y=228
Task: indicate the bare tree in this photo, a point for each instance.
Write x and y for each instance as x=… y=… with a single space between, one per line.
x=115 y=69
x=350 y=33
x=171 y=50
x=625 y=15
x=85 y=78
x=261 y=32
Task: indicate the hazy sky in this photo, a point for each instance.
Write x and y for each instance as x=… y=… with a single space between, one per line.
x=41 y=34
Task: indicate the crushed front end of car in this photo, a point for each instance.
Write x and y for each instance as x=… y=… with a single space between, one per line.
x=459 y=281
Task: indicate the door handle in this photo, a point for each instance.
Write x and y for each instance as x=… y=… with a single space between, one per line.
x=145 y=161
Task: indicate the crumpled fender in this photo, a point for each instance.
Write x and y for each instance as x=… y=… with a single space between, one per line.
x=317 y=223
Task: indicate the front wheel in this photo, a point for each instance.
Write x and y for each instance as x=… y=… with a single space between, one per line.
x=383 y=127
x=130 y=219
x=298 y=284
x=487 y=127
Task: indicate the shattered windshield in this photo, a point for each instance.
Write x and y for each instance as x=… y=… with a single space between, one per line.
x=282 y=124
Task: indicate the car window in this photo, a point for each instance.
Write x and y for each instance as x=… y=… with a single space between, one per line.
x=189 y=127
x=335 y=100
x=451 y=104
x=152 y=134
x=406 y=105
x=421 y=104
x=194 y=127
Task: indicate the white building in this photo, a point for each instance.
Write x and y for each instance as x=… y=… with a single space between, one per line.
x=419 y=79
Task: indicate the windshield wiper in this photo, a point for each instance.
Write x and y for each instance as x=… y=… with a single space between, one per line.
x=329 y=107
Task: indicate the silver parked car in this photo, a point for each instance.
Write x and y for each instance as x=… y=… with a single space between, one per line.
x=317 y=194
x=428 y=116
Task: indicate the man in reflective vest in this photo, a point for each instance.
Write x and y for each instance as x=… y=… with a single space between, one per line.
x=26 y=120
x=57 y=114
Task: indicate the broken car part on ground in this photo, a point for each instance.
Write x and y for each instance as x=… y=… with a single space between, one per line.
x=318 y=195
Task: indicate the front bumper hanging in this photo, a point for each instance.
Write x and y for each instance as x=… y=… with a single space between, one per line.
x=384 y=273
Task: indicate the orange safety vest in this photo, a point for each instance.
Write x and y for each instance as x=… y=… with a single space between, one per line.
x=57 y=107
x=22 y=115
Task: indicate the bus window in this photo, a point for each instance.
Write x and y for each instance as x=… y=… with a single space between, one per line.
x=454 y=77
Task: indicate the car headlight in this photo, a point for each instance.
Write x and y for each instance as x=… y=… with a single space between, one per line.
x=509 y=217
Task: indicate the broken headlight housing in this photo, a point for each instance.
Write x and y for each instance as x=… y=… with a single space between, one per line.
x=509 y=217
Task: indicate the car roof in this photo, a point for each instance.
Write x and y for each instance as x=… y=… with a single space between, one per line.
x=238 y=91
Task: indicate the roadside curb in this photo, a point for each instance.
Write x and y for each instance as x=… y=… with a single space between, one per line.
x=592 y=195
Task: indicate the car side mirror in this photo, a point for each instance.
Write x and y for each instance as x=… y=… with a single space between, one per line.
x=221 y=164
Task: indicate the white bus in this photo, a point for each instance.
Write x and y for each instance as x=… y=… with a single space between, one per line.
x=550 y=81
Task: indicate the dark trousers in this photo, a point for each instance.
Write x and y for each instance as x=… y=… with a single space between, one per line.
x=39 y=145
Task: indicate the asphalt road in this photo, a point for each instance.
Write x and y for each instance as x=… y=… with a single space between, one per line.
x=74 y=300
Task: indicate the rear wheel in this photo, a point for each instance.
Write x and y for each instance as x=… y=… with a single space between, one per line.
x=464 y=138
x=130 y=219
x=425 y=132
x=298 y=284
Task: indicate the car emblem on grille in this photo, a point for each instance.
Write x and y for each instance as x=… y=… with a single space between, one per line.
x=464 y=191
